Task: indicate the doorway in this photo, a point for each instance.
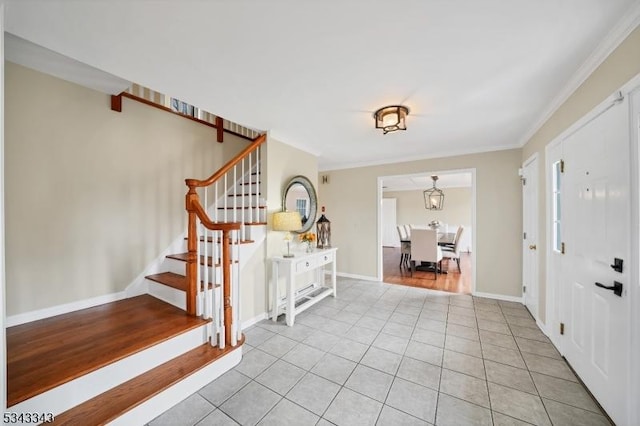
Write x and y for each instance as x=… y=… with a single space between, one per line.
x=459 y=208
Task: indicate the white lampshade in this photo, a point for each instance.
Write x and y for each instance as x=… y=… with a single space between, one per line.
x=287 y=221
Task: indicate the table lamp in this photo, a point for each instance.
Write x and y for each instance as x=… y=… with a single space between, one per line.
x=287 y=221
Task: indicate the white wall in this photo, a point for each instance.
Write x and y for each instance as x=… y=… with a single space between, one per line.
x=92 y=195
x=351 y=200
x=3 y=318
x=283 y=162
x=621 y=65
x=456 y=211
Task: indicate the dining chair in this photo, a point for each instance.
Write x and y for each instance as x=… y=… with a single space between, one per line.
x=454 y=252
x=456 y=237
x=424 y=248
x=405 y=245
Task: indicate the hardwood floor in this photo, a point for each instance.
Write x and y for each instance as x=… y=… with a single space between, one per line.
x=47 y=353
x=453 y=281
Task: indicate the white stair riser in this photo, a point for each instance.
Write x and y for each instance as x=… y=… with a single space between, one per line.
x=152 y=408
x=256 y=200
x=168 y=294
x=210 y=248
x=247 y=215
x=179 y=267
x=172 y=295
x=77 y=391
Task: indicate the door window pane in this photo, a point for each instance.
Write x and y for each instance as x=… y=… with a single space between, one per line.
x=557 y=207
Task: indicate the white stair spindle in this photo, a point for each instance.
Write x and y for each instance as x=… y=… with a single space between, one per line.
x=258 y=183
x=243 y=228
x=250 y=209
x=221 y=340
x=235 y=196
x=215 y=202
x=225 y=197
x=214 y=281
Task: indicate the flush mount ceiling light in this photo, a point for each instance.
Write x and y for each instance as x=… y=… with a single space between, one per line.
x=433 y=198
x=391 y=118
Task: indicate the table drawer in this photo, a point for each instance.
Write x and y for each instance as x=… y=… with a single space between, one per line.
x=325 y=258
x=306 y=265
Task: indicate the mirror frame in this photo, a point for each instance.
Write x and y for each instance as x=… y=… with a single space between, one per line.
x=313 y=200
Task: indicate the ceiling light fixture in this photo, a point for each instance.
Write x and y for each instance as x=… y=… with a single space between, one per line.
x=391 y=118
x=433 y=198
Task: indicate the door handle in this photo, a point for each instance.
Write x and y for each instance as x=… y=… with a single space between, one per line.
x=532 y=247
x=616 y=288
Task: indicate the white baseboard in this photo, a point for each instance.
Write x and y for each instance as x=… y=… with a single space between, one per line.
x=63 y=309
x=542 y=327
x=252 y=321
x=517 y=299
x=356 y=276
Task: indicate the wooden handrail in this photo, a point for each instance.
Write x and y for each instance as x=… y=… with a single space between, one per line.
x=195 y=211
x=195 y=183
x=116 y=105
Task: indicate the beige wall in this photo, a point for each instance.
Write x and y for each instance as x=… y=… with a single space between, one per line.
x=351 y=197
x=92 y=195
x=283 y=162
x=410 y=207
x=622 y=65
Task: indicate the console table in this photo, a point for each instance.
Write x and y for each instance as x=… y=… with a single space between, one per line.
x=297 y=300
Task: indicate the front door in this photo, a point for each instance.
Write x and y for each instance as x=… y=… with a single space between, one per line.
x=595 y=232
x=530 y=235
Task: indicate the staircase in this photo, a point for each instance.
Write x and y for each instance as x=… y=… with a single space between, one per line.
x=128 y=361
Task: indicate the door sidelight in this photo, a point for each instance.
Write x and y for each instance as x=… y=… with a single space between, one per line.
x=616 y=287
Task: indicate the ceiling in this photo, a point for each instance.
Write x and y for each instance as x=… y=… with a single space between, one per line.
x=476 y=75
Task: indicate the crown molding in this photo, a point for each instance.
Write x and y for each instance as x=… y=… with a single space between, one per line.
x=408 y=159
x=613 y=39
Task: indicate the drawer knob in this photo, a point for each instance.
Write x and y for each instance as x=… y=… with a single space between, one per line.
x=307 y=264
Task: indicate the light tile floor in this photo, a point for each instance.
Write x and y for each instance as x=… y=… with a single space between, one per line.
x=384 y=354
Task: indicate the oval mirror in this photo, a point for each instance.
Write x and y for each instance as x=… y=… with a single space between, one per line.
x=299 y=195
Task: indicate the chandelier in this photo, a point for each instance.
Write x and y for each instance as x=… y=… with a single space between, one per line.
x=433 y=197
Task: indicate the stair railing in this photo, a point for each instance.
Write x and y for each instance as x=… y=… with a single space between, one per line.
x=221 y=268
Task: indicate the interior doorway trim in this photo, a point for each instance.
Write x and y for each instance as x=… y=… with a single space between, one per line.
x=532 y=290
x=472 y=171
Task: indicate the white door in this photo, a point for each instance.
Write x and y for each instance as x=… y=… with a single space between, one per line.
x=596 y=230
x=530 y=235
x=390 y=237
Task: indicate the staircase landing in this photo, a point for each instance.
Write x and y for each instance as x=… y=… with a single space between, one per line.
x=44 y=354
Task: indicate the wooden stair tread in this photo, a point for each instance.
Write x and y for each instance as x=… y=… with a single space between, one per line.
x=174 y=280
x=183 y=258
x=240 y=208
x=44 y=354
x=111 y=404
